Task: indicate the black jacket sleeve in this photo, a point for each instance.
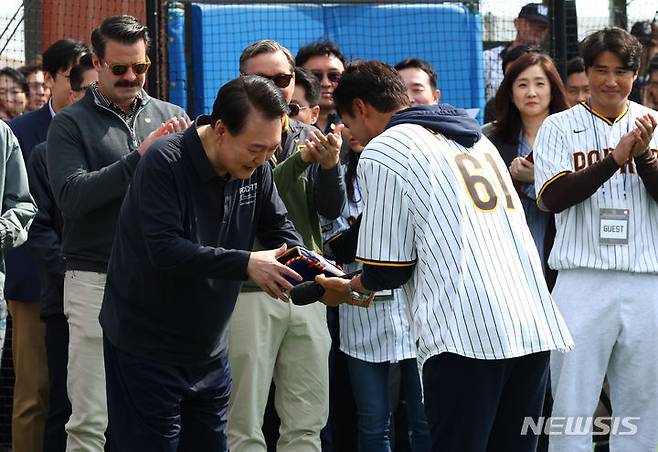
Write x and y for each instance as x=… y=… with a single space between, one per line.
x=329 y=192
x=45 y=235
x=343 y=246
x=161 y=218
x=378 y=277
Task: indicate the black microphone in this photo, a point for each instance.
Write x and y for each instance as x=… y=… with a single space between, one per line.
x=306 y=293
x=309 y=291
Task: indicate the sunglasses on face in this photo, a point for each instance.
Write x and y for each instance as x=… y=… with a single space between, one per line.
x=280 y=80
x=333 y=76
x=296 y=109
x=139 y=68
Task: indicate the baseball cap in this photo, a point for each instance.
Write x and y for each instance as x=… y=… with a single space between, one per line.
x=536 y=12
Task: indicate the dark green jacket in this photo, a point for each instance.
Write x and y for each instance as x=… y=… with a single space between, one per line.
x=306 y=190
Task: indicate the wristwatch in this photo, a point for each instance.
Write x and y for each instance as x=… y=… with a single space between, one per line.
x=356 y=295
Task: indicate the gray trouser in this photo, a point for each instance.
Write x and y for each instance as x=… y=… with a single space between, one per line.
x=613 y=318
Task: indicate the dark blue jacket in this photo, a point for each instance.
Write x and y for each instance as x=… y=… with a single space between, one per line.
x=45 y=237
x=181 y=251
x=445 y=119
x=22 y=283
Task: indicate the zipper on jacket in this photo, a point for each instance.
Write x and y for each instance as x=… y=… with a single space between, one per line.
x=133 y=135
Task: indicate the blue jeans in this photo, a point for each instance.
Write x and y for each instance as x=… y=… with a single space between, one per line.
x=370 y=387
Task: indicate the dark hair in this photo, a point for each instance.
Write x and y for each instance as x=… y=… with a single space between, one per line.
x=646 y=32
x=616 y=40
x=423 y=65
x=575 y=65
x=17 y=77
x=514 y=54
x=508 y=117
x=62 y=55
x=653 y=64
x=29 y=69
x=237 y=98
x=123 y=29
x=322 y=47
x=350 y=173
x=307 y=80
x=76 y=76
x=374 y=82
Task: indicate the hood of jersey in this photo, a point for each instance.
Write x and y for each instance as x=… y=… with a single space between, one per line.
x=452 y=122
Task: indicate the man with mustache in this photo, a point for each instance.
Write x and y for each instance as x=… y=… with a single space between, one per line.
x=99 y=142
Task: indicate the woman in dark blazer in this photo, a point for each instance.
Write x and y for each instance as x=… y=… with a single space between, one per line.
x=531 y=90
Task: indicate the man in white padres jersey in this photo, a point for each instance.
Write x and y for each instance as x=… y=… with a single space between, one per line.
x=596 y=168
x=440 y=217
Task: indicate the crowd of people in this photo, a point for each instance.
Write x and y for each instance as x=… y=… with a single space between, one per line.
x=499 y=274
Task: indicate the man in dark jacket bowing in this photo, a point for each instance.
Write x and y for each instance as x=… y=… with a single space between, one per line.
x=196 y=204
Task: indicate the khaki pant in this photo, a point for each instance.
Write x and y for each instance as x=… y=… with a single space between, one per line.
x=31 y=370
x=83 y=295
x=271 y=340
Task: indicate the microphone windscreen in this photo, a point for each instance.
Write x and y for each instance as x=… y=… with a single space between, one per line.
x=306 y=293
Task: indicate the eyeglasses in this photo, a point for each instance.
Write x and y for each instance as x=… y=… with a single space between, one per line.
x=139 y=68
x=332 y=76
x=295 y=109
x=280 y=80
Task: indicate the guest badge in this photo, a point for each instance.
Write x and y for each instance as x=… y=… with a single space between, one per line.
x=613 y=228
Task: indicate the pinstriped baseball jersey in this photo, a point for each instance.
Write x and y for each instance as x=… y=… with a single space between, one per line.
x=381 y=332
x=572 y=140
x=477 y=289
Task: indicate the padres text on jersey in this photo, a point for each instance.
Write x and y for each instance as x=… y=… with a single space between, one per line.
x=572 y=140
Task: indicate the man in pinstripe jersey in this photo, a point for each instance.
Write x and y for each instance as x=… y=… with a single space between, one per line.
x=440 y=219
x=596 y=168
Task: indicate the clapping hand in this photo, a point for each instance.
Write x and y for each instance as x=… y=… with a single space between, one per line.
x=643 y=132
x=324 y=149
x=172 y=125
